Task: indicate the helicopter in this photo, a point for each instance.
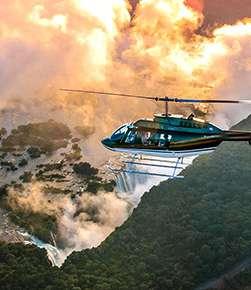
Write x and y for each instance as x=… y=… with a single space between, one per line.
x=167 y=135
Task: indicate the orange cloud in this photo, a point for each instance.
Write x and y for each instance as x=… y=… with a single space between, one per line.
x=86 y=44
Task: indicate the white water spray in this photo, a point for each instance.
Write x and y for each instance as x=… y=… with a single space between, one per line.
x=129 y=187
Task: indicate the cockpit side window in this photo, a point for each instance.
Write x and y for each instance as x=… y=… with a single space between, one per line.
x=118 y=134
x=121 y=130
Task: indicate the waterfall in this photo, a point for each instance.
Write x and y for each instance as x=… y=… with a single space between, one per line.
x=129 y=187
x=55 y=255
x=132 y=186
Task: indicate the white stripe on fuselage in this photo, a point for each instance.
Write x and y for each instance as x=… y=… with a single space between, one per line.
x=163 y=153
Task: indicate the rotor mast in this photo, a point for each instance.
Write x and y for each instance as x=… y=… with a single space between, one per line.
x=166 y=106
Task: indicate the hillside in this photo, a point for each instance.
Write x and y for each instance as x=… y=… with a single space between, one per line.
x=183 y=233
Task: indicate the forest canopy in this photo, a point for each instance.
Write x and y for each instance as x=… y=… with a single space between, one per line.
x=183 y=233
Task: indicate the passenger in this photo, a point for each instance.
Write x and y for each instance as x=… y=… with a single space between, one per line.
x=162 y=140
x=145 y=137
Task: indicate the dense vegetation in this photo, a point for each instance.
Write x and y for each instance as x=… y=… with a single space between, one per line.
x=26 y=267
x=183 y=233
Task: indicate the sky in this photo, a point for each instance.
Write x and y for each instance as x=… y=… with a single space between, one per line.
x=184 y=48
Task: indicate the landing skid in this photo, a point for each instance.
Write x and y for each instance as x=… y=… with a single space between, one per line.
x=132 y=164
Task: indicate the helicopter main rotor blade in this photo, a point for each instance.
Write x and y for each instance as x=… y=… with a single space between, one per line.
x=209 y=101
x=162 y=99
x=111 y=94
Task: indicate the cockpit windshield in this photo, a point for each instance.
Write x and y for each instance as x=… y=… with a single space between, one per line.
x=120 y=132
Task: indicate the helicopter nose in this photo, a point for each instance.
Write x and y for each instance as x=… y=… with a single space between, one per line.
x=106 y=142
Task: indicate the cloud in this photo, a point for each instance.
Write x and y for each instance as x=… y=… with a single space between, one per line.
x=82 y=222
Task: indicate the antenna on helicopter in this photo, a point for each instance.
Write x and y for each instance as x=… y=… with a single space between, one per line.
x=165 y=99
